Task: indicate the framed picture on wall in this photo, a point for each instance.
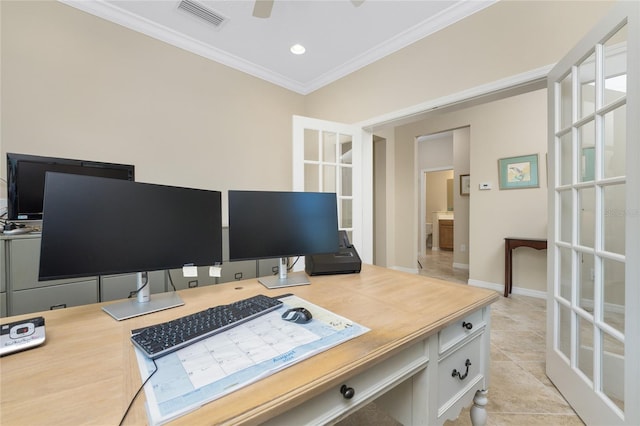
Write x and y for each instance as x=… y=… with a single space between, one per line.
x=518 y=172
x=465 y=184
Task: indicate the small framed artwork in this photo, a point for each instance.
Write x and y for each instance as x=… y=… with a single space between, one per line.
x=465 y=184
x=518 y=172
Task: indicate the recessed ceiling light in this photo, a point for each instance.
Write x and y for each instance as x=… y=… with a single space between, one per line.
x=298 y=49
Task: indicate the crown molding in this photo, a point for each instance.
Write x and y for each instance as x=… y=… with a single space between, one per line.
x=447 y=17
x=136 y=23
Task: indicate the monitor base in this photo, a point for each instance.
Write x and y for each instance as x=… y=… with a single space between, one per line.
x=290 y=280
x=131 y=308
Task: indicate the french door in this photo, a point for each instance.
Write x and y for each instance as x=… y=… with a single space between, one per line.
x=593 y=324
x=336 y=157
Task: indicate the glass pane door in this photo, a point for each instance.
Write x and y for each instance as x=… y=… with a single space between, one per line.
x=328 y=157
x=590 y=199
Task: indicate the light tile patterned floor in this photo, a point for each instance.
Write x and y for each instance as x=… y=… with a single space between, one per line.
x=519 y=393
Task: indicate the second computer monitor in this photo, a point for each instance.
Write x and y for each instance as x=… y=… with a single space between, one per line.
x=275 y=224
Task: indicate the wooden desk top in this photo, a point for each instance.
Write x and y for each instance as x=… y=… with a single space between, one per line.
x=86 y=372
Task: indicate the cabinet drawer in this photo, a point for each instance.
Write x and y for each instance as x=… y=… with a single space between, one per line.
x=3 y=304
x=452 y=388
x=24 y=264
x=235 y=271
x=461 y=329
x=181 y=282
x=57 y=296
x=268 y=267
x=3 y=269
x=368 y=385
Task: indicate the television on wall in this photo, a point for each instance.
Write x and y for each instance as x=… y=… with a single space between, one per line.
x=26 y=177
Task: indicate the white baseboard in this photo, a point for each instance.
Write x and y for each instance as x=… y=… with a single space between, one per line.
x=403 y=269
x=515 y=290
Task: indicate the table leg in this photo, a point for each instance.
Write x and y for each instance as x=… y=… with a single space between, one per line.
x=479 y=408
x=507 y=269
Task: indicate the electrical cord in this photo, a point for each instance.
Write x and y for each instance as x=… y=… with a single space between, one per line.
x=146 y=281
x=289 y=268
x=124 y=416
x=171 y=280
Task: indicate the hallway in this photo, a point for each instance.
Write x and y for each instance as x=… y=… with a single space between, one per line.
x=439 y=264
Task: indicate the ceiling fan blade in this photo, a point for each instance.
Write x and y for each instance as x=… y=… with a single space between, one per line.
x=262 y=8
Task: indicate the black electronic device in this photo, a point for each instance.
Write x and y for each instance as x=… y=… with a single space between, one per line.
x=298 y=315
x=26 y=177
x=272 y=224
x=162 y=339
x=98 y=226
x=344 y=261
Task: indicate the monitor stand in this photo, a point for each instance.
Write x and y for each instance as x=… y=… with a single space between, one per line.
x=143 y=303
x=283 y=279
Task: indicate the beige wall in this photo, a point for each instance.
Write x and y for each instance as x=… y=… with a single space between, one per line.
x=505 y=128
x=505 y=39
x=77 y=86
x=461 y=161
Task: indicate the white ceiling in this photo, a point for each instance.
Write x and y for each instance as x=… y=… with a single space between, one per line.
x=339 y=37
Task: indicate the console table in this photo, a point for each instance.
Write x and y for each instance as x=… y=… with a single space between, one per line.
x=511 y=243
x=424 y=359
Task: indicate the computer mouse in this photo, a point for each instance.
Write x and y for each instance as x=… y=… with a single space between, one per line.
x=298 y=315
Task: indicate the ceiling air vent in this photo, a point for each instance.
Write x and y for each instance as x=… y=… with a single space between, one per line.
x=202 y=12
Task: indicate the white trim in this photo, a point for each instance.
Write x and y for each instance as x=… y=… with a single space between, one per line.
x=403 y=269
x=165 y=34
x=515 y=290
x=113 y=13
x=449 y=16
x=415 y=112
x=464 y=266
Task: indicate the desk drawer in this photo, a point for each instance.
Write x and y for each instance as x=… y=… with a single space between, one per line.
x=467 y=362
x=366 y=386
x=461 y=329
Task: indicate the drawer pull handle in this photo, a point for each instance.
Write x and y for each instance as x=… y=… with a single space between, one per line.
x=347 y=392
x=455 y=372
x=60 y=306
x=467 y=325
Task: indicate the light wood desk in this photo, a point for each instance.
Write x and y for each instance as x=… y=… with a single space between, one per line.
x=86 y=372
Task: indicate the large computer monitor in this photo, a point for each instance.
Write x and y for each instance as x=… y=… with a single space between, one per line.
x=99 y=226
x=26 y=174
x=270 y=224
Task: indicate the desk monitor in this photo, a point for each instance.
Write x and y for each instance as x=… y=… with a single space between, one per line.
x=99 y=226
x=26 y=174
x=264 y=224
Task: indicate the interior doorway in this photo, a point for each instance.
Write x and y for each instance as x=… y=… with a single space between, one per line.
x=434 y=154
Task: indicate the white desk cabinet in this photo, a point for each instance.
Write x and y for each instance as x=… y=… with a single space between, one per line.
x=425 y=384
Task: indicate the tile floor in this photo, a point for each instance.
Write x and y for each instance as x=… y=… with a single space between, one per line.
x=519 y=392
